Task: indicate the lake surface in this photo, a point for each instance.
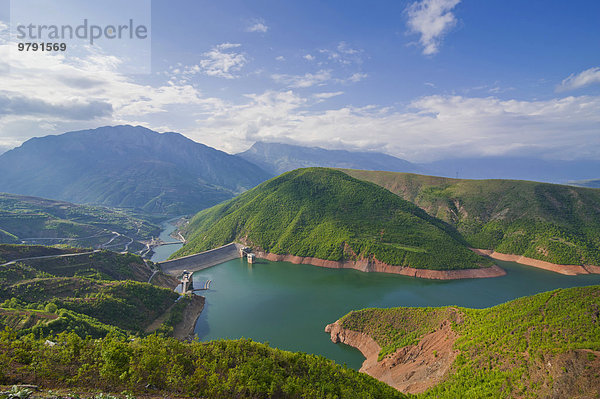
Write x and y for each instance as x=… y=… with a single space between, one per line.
x=164 y=251
x=289 y=305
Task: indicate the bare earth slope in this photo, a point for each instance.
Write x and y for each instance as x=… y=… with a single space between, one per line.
x=546 y=345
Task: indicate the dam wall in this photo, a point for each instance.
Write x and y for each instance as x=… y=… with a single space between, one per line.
x=203 y=260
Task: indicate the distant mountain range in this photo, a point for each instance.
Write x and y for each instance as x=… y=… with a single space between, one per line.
x=279 y=158
x=127 y=166
x=167 y=173
x=587 y=183
x=518 y=168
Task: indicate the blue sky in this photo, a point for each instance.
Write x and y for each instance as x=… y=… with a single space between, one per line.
x=422 y=79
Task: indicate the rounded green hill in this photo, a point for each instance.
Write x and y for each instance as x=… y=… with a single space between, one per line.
x=326 y=214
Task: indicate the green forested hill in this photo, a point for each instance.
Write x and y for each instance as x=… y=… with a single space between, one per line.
x=158 y=367
x=546 y=345
x=76 y=324
x=71 y=290
x=44 y=221
x=555 y=223
x=327 y=214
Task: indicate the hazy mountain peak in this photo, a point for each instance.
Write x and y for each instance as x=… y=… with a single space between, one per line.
x=278 y=158
x=128 y=166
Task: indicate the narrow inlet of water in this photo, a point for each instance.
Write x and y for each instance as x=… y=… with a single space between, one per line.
x=163 y=252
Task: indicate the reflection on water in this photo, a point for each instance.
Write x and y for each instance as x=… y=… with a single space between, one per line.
x=289 y=305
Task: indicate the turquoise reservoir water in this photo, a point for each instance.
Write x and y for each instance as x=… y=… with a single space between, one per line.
x=289 y=305
x=164 y=251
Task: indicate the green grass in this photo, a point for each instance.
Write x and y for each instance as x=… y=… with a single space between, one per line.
x=327 y=214
x=129 y=305
x=10 y=252
x=550 y=222
x=397 y=327
x=502 y=348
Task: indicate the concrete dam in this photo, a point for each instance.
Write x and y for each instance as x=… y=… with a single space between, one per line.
x=203 y=260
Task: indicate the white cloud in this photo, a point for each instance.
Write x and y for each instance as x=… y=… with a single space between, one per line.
x=257 y=26
x=494 y=88
x=54 y=94
x=280 y=58
x=431 y=128
x=4 y=32
x=222 y=62
x=499 y=90
x=344 y=54
x=50 y=94
x=320 y=78
x=326 y=95
x=588 y=77
x=357 y=77
x=303 y=81
x=309 y=57
x=431 y=19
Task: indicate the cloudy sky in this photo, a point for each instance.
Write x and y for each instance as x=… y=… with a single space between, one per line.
x=419 y=79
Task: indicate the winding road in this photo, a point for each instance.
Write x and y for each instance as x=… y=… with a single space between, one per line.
x=12 y=262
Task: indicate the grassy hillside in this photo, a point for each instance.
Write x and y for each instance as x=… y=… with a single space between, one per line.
x=326 y=214
x=104 y=265
x=38 y=220
x=91 y=293
x=97 y=324
x=545 y=345
x=163 y=367
x=11 y=252
x=555 y=223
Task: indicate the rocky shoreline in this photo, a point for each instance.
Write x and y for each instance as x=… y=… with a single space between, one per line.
x=380 y=267
x=366 y=265
x=411 y=369
x=184 y=330
x=569 y=270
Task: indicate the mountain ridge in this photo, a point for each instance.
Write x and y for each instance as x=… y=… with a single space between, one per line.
x=278 y=158
x=127 y=166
